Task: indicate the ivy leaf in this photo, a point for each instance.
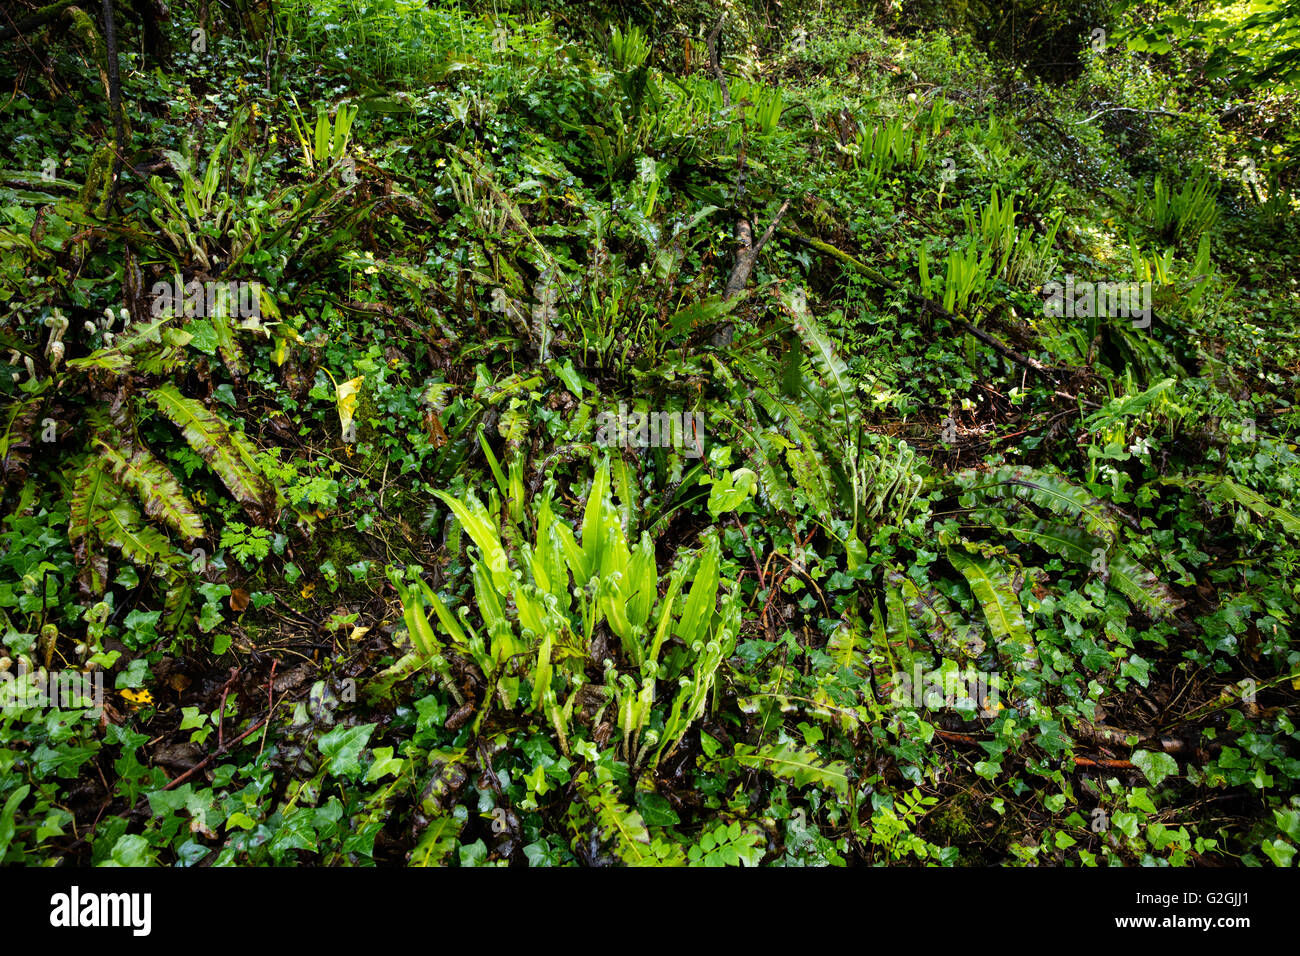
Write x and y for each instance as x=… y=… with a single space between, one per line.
x=342 y=746
x=204 y=336
x=1155 y=765
x=131 y=849
x=1279 y=851
x=656 y=811
x=385 y=763
x=731 y=491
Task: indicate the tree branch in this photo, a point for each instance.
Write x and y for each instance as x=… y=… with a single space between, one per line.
x=114 y=95
x=713 y=61
x=37 y=19
x=748 y=252
x=1127 y=109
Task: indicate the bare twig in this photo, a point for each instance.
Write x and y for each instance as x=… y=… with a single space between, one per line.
x=177 y=781
x=1127 y=109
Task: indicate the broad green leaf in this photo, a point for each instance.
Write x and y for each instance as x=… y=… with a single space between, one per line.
x=948 y=633
x=593 y=519
x=7 y=827
x=992 y=588
x=641 y=583
x=226 y=451
x=445 y=617
x=474 y=519
x=581 y=566
x=342 y=748
x=801 y=766
x=699 y=608
x=437 y=841
x=1156 y=766
x=417 y=622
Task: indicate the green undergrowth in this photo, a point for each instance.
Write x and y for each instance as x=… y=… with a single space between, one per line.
x=499 y=535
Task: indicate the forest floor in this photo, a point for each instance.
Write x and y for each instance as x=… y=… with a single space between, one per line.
x=487 y=440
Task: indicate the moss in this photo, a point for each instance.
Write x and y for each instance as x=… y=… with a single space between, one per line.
x=366 y=412
x=99 y=174
x=950 y=825
x=84 y=28
x=343 y=548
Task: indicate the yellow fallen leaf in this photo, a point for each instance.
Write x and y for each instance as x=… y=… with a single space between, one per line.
x=358 y=633
x=139 y=698
x=346 y=397
x=268 y=303
x=308 y=590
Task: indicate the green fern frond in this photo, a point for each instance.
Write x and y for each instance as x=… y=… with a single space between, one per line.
x=19 y=420
x=771 y=475
x=437 y=841
x=1053 y=492
x=154 y=485
x=1141 y=586
x=801 y=766
x=621 y=829
x=826 y=363
x=93 y=491
x=991 y=586
x=1122 y=570
x=1223 y=489
x=948 y=633
x=226 y=451
x=101 y=511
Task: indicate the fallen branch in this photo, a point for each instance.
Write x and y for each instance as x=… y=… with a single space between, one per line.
x=747 y=255
x=177 y=781
x=747 y=250
x=1127 y=109
x=37 y=19
x=875 y=276
x=1104 y=763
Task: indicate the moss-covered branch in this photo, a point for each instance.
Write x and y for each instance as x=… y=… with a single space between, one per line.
x=41 y=17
